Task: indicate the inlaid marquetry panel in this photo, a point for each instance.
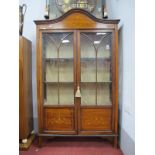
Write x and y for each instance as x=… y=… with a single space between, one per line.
x=96 y=119
x=59 y=119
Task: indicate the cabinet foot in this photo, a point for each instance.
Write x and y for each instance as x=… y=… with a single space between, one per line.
x=40 y=141
x=115 y=142
x=24 y=141
x=32 y=132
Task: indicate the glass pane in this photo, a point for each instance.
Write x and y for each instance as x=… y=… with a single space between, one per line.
x=51 y=74
x=104 y=59
x=87 y=47
x=66 y=48
x=88 y=67
x=66 y=70
x=96 y=79
x=50 y=44
x=88 y=91
x=51 y=94
x=104 y=94
x=58 y=65
x=88 y=70
x=66 y=92
x=104 y=70
x=66 y=62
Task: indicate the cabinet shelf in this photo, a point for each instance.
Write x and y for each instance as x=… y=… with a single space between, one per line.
x=49 y=105
x=70 y=82
x=97 y=82
x=82 y=59
x=94 y=59
x=55 y=59
x=50 y=82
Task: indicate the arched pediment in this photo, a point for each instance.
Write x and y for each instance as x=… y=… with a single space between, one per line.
x=76 y=19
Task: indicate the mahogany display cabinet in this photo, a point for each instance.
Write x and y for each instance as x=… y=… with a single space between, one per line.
x=77 y=76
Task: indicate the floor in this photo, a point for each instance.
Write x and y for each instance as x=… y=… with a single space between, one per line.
x=73 y=146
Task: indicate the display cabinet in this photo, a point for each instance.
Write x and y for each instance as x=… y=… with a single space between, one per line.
x=77 y=76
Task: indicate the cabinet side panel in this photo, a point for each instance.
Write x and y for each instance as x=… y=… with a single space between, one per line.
x=22 y=128
x=39 y=79
x=28 y=84
x=25 y=89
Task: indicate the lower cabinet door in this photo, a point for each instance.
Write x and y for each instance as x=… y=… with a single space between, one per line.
x=95 y=120
x=92 y=121
x=59 y=120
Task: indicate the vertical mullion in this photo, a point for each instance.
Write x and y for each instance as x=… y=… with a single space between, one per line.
x=44 y=69
x=58 y=78
x=111 y=68
x=78 y=80
x=96 y=77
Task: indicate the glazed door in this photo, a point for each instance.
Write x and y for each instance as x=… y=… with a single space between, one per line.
x=95 y=82
x=59 y=82
x=77 y=82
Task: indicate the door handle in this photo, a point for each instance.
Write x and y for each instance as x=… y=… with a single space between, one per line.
x=78 y=93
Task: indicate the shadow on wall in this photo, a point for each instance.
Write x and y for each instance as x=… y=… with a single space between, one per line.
x=120 y=42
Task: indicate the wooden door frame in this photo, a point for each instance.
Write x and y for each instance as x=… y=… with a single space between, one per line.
x=77 y=76
x=114 y=83
x=40 y=84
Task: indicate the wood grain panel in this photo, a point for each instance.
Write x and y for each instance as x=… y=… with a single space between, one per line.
x=61 y=119
x=25 y=88
x=96 y=119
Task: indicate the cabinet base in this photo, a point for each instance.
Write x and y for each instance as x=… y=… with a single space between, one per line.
x=113 y=138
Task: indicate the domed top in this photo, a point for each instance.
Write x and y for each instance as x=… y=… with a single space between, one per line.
x=76 y=13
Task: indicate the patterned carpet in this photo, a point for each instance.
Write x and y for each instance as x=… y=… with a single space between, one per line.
x=73 y=146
